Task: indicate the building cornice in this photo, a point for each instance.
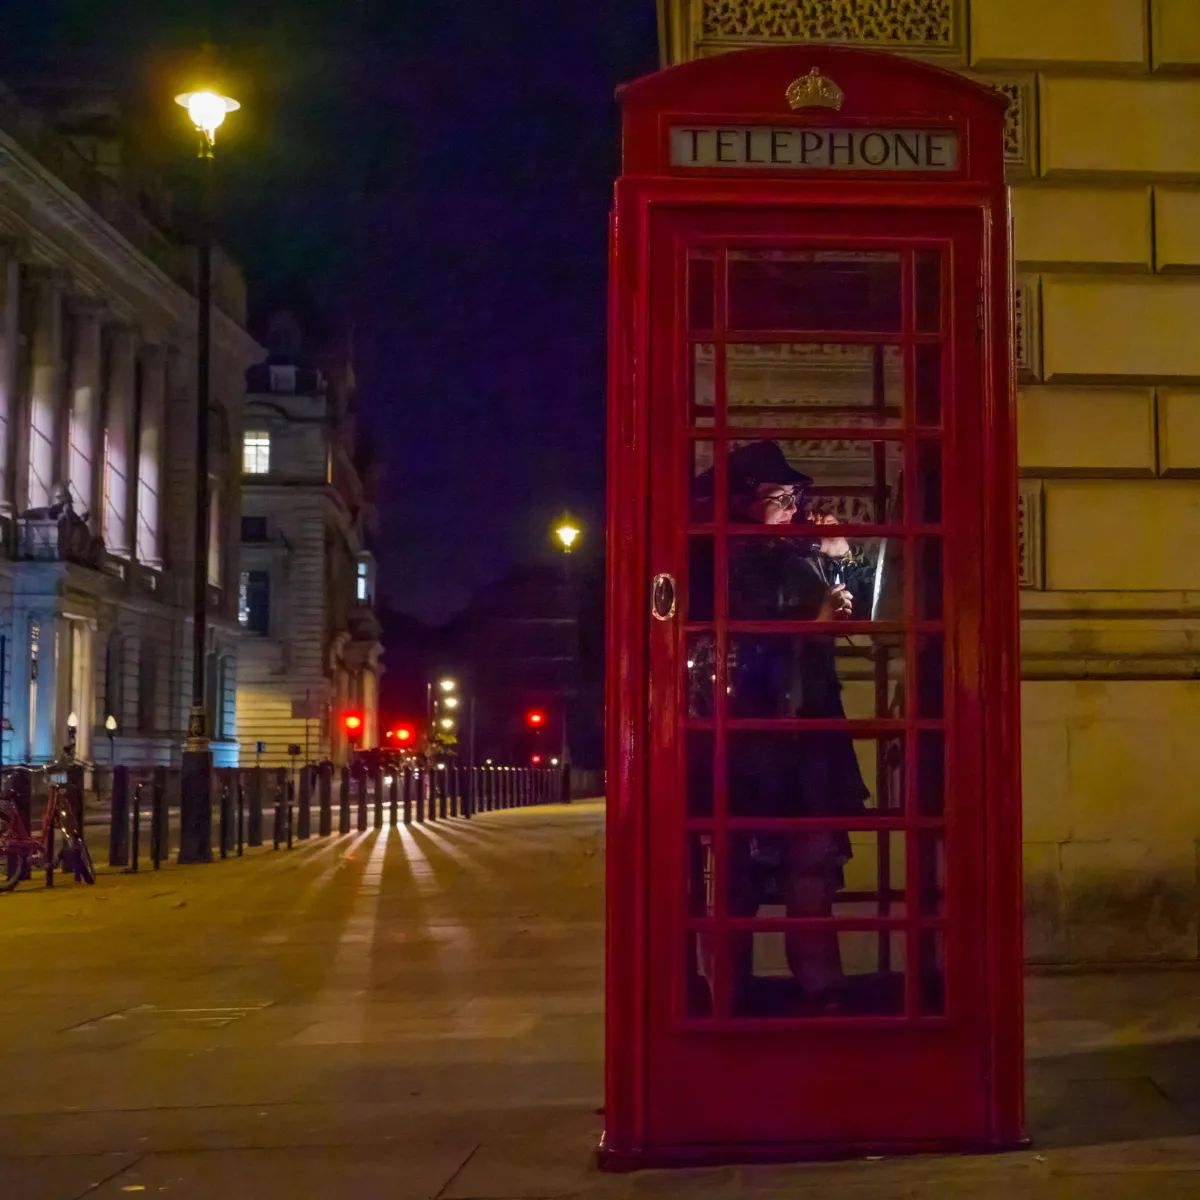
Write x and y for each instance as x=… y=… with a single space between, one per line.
x=43 y=193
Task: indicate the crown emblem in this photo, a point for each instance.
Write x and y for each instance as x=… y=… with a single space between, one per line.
x=814 y=91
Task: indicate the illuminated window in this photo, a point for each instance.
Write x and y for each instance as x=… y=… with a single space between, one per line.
x=364 y=586
x=256 y=452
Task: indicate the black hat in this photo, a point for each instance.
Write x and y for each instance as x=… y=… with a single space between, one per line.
x=760 y=462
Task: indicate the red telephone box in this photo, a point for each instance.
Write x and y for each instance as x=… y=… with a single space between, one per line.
x=814 y=934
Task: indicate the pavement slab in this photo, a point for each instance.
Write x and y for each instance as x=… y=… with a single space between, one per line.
x=418 y=1013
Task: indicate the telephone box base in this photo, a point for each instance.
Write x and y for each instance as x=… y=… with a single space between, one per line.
x=616 y=1160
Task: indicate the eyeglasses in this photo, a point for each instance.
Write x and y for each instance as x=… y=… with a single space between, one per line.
x=787 y=499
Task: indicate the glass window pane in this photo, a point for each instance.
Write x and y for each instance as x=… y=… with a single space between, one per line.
x=700 y=579
x=814 y=383
x=704 y=391
x=930 y=677
x=699 y=975
x=817 y=973
x=932 y=978
x=931 y=886
x=848 y=290
x=928 y=277
x=703 y=482
x=929 y=579
x=700 y=675
x=928 y=398
x=929 y=482
x=701 y=876
x=701 y=292
x=794 y=579
x=781 y=774
x=799 y=481
x=811 y=675
x=699 y=750
x=931 y=773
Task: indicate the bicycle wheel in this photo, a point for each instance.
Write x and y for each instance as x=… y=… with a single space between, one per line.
x=11 y=862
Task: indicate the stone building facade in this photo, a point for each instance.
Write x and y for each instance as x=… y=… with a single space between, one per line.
x=312 y=649
x=97 y=447
x=1103 y=149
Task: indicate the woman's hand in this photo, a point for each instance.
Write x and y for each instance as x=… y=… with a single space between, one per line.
x=834 y=547
x=838 y=604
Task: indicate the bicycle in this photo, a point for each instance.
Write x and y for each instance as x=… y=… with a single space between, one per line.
x=21 y=853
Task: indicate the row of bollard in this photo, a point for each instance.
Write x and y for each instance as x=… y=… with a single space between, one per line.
x=412 y=794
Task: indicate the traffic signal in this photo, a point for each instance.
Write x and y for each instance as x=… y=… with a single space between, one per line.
x=535 y=718
x=405 y=735
x=536 y=760
x=352 y=723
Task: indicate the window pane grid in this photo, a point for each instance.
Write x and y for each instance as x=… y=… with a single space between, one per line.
x=908 y=522
x=256 y=453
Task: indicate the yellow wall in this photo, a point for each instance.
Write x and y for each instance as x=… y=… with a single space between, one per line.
x=1103 y=150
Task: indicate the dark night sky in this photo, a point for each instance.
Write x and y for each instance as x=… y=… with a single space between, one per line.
x=436 y=175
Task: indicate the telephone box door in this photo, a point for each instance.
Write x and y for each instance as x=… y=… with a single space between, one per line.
x=816 y=969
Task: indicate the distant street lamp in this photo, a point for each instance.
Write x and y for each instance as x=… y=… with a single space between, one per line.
x=207 y=108
x=110 y=727
x=567 y=533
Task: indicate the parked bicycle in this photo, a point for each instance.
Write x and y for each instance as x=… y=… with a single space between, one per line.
x=22 y=853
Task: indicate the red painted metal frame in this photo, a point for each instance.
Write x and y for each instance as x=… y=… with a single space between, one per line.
x=748 y=88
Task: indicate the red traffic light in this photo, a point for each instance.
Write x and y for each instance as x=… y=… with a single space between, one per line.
x=535 y=718
x=353 y=725
x=536 y=760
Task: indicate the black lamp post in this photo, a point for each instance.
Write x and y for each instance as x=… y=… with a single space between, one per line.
x=207 y=109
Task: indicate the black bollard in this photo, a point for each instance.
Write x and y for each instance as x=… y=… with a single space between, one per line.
x=58 y=798
x=344 y=802
x=407 y=783
x=223 y=823
x=325 y=795
x=241 y=816
x=360 y=791
x=377 y=786
x=135 y=829
x=443 y=793
x=291 y=789
x=158 y=818
x=254 y=835
x=304 y=824
x=118 y=824
x=394 y=798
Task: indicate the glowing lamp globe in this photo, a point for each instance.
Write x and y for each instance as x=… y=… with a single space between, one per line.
x=207 y=109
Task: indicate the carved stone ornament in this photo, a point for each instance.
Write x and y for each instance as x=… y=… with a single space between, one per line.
x=1029 y=534
x=908 y=24
x=815 y=91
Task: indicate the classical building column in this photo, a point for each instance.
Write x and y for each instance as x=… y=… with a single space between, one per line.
x=48 y=721
x=151 y=473
x=45 y=388
x=83 y=467
x=119 y=459
x=10 y=361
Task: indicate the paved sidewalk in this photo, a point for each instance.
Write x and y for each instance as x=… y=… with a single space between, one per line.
x=417 y=1014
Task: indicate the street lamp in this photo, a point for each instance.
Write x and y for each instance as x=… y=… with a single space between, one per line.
x=110 y=727
x=448 y=685
x=207 y=109
x=72 y=732
x=567 y=533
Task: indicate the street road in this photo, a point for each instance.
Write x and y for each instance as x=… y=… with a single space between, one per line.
x=417 y=1014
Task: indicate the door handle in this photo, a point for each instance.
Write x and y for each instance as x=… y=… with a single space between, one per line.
x=662 y=597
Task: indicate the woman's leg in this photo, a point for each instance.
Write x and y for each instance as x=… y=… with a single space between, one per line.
x=813 y=954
